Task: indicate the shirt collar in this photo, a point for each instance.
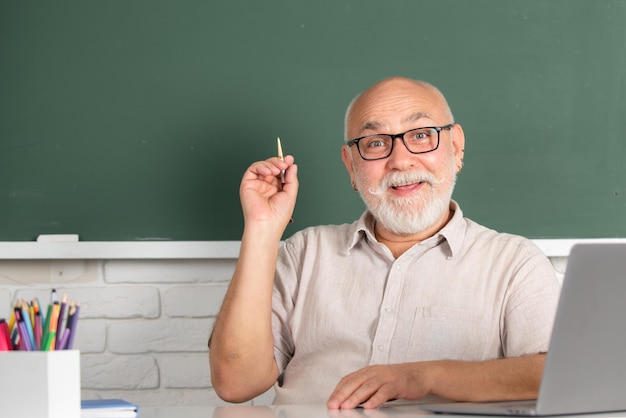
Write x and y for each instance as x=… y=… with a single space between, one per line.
x=454 y=231
x=451 y=234
x=362 y=228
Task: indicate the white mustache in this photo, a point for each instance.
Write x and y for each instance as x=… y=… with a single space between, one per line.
x=403 y=178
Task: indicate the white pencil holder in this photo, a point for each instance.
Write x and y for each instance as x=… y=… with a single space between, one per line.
x=40 y=384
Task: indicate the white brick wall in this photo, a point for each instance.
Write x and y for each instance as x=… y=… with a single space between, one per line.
x=143 y=325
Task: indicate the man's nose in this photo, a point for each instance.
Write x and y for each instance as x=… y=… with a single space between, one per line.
x=401 y=158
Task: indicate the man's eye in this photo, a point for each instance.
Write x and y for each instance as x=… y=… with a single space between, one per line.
x=376 y=143
x=419 y=136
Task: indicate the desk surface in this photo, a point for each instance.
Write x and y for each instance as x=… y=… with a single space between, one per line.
x=297 y=411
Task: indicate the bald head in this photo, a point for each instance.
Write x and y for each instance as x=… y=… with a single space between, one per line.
x=390 y=96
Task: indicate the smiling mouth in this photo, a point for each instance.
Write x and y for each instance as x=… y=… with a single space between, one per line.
x=406 y=186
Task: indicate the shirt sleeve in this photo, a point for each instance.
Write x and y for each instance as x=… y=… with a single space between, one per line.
x=530 y=305
x=283 y=304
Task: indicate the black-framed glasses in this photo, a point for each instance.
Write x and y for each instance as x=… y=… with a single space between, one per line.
x=417 y=141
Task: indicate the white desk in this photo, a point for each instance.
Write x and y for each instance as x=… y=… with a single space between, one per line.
x=300 y=411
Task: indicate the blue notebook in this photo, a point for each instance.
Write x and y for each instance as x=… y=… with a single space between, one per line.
x=108 y=408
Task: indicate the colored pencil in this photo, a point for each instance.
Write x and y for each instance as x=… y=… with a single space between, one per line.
x=72 y=322
x=5 y=337
x=64 y=340
x=27 y=323
x=50 y=340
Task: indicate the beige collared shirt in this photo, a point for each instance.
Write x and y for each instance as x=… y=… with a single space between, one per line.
x=342 y=302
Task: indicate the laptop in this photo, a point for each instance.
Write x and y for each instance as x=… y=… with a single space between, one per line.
x=585 y=369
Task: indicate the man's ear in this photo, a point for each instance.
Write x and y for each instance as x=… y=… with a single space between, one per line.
x=458 y=144
x=346 y=157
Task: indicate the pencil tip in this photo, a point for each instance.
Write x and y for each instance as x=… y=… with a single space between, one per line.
x=280 y=148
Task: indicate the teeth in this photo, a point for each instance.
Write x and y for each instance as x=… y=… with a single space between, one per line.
x=395 y=186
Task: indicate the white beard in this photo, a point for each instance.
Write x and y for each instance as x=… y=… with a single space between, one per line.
x=413 y=214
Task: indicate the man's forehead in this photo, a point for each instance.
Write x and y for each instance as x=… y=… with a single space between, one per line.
x=379 y=124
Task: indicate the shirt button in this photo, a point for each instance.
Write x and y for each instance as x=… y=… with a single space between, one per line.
x=389 y=310
x=380 y=347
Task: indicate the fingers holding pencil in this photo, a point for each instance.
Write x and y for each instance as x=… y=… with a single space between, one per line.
x=265 y=196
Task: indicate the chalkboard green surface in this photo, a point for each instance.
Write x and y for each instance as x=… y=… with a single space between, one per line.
x=134 y=120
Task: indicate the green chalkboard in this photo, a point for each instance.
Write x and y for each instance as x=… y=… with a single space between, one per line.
x=134 y=120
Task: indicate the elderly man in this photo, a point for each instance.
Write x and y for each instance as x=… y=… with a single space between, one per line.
x=411 y=301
